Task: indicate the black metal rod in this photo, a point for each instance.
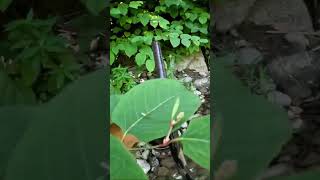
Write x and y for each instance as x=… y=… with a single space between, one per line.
x=158 y=59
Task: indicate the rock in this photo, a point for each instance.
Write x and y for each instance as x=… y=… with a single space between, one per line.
x=177 y=176
x=168 y=162
x=297 y=123
x=293 y=73
x=248 y=56
x=296 y=110
x=154 y=162
x=279 y=98
x=184 y=125
x=241 y=43
x=229 y=14
x=163 y=171
x=194 y=62
x=283 y=15
x=187 y=79
x=155 y=153
x=144 y=165
x=291 y=115
x=298 y=40
x=199 y=83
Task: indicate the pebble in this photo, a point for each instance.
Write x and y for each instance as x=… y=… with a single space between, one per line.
x=184 y=125
x=145 y=154
x=291 y=115
x=279 y=98
x=187 y=79
x=144 y=165
x=199 y=83
x=196 y=92
x=297 y=123
x=177 y=176
x=163 y=171
x=154 y=162
x=155 y=153
x=296 y=110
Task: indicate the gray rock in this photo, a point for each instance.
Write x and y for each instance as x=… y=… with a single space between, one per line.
x=279 y=98
x=144 y=165
x=293 y=73
x=203 y=82
x=282 y=15
x=228 y=14
x=163 y=171
x=298 y=40
x=296 y=123
x=291 y=115
x=248 y=56
x=194 y=62
x=296 y=110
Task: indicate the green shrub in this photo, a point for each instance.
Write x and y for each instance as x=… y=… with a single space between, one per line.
x=181 y=27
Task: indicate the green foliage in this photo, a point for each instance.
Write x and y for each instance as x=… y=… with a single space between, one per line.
x=249 y=126
x=39 y=58
x=62 y=139
x=146 y=116
x=181 y=26
x=121 y=80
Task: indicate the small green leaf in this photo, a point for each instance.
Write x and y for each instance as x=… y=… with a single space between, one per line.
x=175 y=42
x=140 y=59
x=186 y=42
x=144 y=19
x=123 y=8
x=112 y=58
x=130 y=49
x=154 y=23
x=150 y=65
x=163 y=23
x=115 y=12
x=203 y=19
x=135 y=4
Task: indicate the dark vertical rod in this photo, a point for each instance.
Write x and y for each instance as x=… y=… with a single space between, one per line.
x=158 y=59
x=175 y=148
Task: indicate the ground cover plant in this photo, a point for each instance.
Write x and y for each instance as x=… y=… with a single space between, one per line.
x=48 y=121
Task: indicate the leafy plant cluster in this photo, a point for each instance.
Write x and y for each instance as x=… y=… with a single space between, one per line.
x=122 y=80
x=38 y=62
x=181 y=26
x=140 y=114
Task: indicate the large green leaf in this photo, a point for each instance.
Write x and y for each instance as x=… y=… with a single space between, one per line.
x=4 y=4
x=11 y=93
x=122 y=164
x=196 y=141
x=64 y=139
x=145 y=111
x=253 y=130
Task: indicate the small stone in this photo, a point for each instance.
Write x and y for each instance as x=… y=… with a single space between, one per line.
x=154 y=162
x=196 y=92
x=279 y=98
x=297 y=123
x=168 y=162
x=163 y=171
x=177 y=176
x=296 y=110
x=234 y=33
x=199 y=83
x=291 y=115
x=187 y=79
x=144 y=165
x=145 y=154
x=241 y=43
x=297 y=39
x=184 y=125
x=155 y=153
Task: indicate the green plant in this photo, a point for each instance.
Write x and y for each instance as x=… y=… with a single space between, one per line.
x=142 y=114
x=181 y=26
x=121 y=80
x=63 y=139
